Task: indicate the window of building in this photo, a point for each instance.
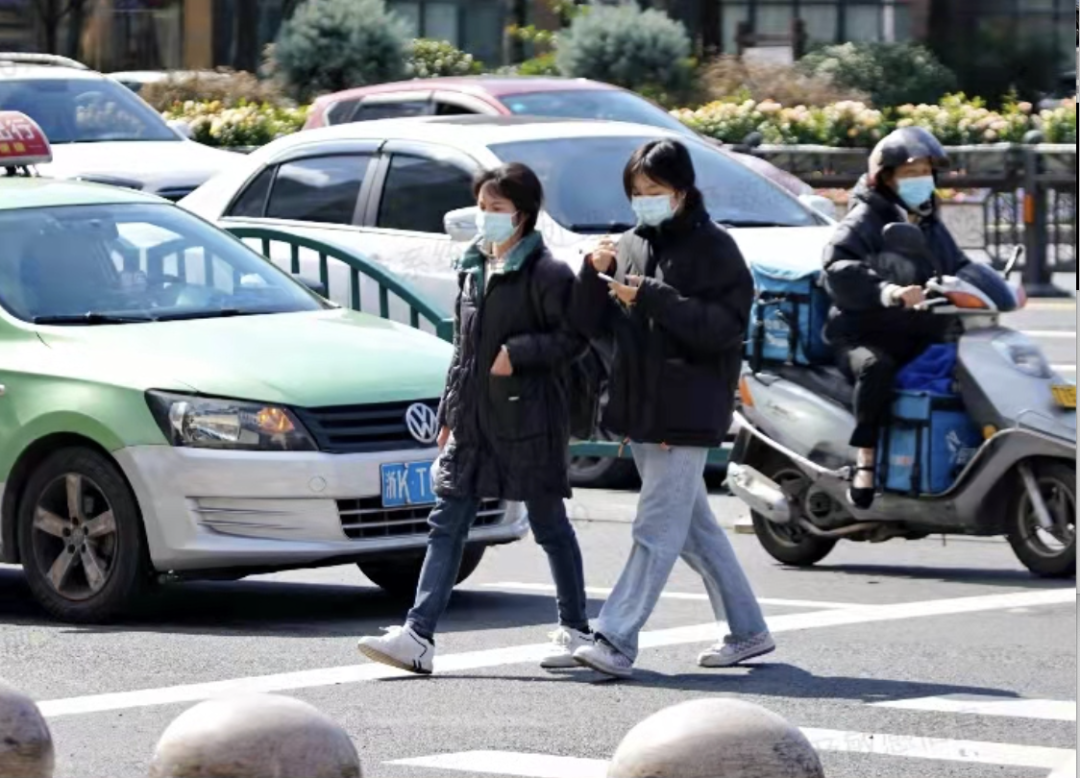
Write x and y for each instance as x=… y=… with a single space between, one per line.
x=420 y=192
x=825 y=21
x=319 y=189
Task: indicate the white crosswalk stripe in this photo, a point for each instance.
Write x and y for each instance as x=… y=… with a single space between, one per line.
x=1047 y=710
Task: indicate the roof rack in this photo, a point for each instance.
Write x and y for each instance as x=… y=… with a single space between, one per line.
x=51 y=60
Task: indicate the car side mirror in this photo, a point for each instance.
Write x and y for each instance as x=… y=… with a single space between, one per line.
x=181 y=128
x=460 y=225
x=822 y=205
x=318 y=287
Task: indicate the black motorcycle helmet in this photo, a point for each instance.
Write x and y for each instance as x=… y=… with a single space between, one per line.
x=904 y=145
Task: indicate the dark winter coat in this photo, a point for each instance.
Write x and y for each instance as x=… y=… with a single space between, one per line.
x=678 y=349
x=857 y=272
x=510 y=436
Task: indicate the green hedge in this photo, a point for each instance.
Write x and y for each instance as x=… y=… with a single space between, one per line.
x=956 y=121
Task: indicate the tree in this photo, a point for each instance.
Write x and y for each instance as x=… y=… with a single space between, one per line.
x=51 y=15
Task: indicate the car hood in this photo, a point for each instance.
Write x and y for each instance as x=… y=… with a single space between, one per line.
x=169 y=168
x=307 y=360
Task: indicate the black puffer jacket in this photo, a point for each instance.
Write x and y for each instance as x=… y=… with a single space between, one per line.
x=857 y=272
x=510 y=436
x=678 y=350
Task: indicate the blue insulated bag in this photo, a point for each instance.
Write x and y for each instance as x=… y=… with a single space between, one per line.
x=789 y=313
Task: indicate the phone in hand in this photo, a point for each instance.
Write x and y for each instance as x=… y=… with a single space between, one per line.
x=606 y=277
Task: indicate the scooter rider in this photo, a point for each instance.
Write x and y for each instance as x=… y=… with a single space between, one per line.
x=876 y=326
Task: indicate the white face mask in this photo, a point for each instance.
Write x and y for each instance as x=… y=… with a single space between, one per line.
x=654 y=210
x=495 y=228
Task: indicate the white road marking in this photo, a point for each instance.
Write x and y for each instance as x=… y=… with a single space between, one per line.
x=1047 y=710
x=824 y=740
x=598 y=592
x=1051 y=334
x=476 y=660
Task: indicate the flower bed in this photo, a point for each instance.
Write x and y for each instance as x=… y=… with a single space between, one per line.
x=956 y=121
x=244 y=125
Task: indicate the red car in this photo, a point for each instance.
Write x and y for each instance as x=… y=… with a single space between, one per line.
x=564 y=98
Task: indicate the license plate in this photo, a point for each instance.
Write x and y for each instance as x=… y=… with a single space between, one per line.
x=407 y=484
x=1064 y=395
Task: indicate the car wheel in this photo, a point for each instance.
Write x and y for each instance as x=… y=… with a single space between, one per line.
x=601 y=473
x=1047 y=554
x=81 y=538
x=400 y=576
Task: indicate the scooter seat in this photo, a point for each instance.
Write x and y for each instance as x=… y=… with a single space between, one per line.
x=825 y=381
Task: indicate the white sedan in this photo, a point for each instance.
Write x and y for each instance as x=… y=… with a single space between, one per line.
x=399 y=192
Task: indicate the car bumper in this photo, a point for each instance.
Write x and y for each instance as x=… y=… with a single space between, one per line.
x=216 y=510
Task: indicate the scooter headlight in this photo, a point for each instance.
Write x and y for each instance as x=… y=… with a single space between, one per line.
x=1023 y=354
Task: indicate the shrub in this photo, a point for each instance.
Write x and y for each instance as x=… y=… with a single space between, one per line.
x=729 y=77
x=1059 y=124
x=956 y=121
x=843 y=124
x=330 y=45
x=246 y=124
x=431 y=59
x=643 y=50
x=544 y=65
x=227 y=87
x=890 y=73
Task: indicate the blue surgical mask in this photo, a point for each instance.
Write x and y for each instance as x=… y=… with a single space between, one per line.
x=495 y=228
x=654 y=210
x=915 y=192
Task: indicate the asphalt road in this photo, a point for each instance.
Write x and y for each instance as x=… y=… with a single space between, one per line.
x=917 y=659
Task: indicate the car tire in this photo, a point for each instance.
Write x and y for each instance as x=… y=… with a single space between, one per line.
x=399 y=576
x=601 y=473
x=1044 y=554
x=78 y=511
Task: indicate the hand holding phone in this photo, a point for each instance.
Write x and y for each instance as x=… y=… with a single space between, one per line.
x=605 y=277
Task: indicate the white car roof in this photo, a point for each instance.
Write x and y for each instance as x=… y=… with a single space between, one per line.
x=470 y=132
x=26 y=72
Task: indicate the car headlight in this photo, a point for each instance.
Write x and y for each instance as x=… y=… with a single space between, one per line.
x=1022 y=353
x=200 y=422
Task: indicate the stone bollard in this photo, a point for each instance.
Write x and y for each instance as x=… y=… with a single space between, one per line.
x=715 y=738
x=1066 y=770
x=26 y=747
x=254 y=736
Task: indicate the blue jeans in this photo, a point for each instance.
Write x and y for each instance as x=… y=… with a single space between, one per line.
x=450 y=521
x=673 y=520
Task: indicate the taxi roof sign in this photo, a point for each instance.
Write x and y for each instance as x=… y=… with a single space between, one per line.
x=22 y=143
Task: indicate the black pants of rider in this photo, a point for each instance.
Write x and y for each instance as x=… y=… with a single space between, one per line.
x=871 y=348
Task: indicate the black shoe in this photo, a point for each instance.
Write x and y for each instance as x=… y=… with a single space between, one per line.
x=862 y=497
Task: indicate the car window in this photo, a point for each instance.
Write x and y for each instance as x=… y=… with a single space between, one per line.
x=251 y=203
x=419 y=192
x=341 y=113
x=605 y=104
x=396 y=110
x=318 y=189
x=733 y=193
x=451 y=109
x=134 y=262
x=81 y=110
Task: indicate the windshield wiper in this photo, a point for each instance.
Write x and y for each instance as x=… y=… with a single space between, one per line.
x=93 y=317
x=222 y=313
x=751 y=223
x=612 y=227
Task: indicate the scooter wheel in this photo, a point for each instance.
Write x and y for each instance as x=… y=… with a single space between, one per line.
x=1046 y=554
x=790 y=545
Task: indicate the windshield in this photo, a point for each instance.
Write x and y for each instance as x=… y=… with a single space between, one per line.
x=103 y=264
x=734 y=194
x=81 y=110
x=607 y=104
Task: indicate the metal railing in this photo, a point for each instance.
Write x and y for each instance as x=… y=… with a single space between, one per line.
x=358 y=267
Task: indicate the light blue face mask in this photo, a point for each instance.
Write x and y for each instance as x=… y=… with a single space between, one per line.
x=495 y=228
x=654 y=210
x=915 y=192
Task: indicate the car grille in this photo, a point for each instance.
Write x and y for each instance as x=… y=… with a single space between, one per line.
x=355 y=429
x=175 y=193
x=367 y=518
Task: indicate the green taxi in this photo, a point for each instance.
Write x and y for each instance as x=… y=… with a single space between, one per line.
x=172 y=405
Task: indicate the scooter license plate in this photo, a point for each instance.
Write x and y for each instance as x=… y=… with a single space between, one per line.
x=1064 y=395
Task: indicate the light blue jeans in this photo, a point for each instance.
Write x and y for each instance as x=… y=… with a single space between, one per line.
x=674 y=519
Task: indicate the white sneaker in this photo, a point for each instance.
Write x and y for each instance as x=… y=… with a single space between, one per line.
x=731 y=652
x=604 y=658
x=400 y=647
x=564 y=642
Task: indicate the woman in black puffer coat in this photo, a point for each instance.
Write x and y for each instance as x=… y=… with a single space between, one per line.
x=504 y=417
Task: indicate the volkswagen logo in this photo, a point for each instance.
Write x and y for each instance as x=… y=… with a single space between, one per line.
x=422 y=422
